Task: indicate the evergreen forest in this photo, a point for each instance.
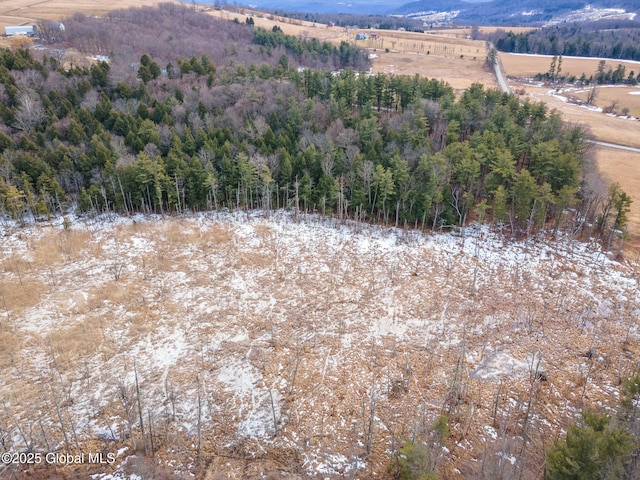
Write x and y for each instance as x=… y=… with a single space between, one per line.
x=604 y=39
x=221 y=114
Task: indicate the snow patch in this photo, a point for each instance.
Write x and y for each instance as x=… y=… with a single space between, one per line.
x=499 y=364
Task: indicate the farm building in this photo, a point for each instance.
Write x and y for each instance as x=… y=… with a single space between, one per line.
x=57 y=26
x=361 y=36
x=27 y=30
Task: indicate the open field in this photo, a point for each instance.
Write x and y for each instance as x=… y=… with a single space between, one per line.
x=624 y=168
x=443 y=46
x=622 y=96
x=516 y=65
x=22 y=12
x=295 y=344
x=459 y=73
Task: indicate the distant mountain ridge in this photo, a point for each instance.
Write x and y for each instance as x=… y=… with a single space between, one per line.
x=510 y=12
x=361 y=7
x=497 y=12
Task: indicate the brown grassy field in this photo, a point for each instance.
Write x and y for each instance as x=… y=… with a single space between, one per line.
x=298 y=331
x=624 y=168
x=458 y=61
x=623 y=97
x=529 y=65
x=460 y=73
x=23 y=12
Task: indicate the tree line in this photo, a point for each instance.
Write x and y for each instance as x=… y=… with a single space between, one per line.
x=619 y=40
x=382 y=22
x=604 y=74
x=395 y=149
x=348 y=55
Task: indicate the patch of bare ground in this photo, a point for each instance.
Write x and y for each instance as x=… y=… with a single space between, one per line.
x=301 y=345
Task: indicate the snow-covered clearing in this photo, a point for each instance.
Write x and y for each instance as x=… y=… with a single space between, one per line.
x=268 y=342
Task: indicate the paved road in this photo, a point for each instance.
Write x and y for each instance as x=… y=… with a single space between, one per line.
x=616 y=146
x=497 y=68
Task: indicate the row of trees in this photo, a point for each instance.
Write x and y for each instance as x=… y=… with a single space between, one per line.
x=349 y=56
x=604 y=74
x=594 y=39
x=383 y=22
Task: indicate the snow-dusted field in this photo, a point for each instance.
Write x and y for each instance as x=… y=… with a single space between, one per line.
x=282 y=343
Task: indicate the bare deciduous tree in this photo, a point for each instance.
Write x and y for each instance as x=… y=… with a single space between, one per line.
x=30 y=111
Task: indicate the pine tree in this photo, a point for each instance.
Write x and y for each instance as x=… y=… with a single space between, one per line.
x=592 y=450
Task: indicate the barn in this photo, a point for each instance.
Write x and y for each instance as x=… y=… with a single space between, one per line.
x=26 y=30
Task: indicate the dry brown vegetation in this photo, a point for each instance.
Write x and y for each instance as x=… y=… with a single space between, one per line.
x=624 y=168
x=342 y=332
x=620 y=99
x=337 y=325
x=24 y=12
x=459 y=73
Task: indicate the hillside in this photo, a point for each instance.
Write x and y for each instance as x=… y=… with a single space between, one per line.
x=258 y=121
x=256 y=343
x=515 y=12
